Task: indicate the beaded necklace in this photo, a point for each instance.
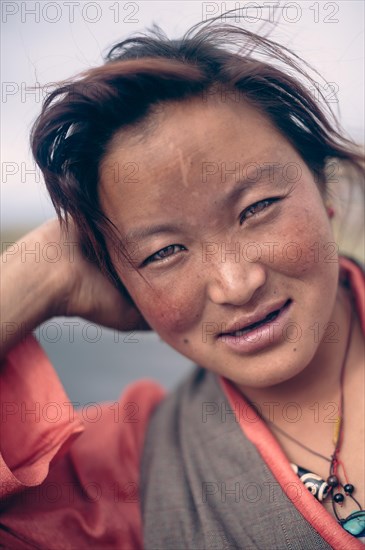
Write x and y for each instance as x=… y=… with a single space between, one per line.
x=320 y=488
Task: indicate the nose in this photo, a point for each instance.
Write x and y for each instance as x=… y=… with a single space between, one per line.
x=233 y=280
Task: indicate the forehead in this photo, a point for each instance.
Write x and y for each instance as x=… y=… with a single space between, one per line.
x=195 y=148
x=195 y=127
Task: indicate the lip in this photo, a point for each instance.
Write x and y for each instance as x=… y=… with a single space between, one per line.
x=258 y=338
x=259 y=315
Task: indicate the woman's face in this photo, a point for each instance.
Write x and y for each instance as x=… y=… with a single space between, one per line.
x=226 y=225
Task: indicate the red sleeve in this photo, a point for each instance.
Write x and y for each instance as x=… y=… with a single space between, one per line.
x=69 y=478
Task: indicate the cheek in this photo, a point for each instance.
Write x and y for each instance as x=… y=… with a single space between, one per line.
x=171 y=310
x=305 y=244
x=171 y=307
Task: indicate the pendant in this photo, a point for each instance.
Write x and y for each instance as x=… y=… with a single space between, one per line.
x=355 y=523
x=320 y=489
x=314 y=483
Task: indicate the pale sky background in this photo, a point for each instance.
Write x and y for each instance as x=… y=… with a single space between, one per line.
x=47 y=41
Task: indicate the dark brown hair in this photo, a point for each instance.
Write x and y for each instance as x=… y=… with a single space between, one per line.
x=79 y=118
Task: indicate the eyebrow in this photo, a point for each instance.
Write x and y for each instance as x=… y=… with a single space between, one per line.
x=149 y=230
x=243 y=184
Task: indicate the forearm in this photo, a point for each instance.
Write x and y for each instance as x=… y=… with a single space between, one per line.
x=29 y=291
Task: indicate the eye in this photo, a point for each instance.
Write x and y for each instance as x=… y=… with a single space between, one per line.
x=256 y=208
x=164 y=253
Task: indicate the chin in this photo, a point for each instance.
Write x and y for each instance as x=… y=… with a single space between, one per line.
x=265 y=372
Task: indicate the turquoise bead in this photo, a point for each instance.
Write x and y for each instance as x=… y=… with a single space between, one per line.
x=356 y=525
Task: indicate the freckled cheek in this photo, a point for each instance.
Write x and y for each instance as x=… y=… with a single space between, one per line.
x=301 y=248
x=172 y=310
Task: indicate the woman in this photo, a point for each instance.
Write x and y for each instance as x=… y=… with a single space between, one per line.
x=192 y=175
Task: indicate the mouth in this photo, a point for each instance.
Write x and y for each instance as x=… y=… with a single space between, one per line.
x=269 y=318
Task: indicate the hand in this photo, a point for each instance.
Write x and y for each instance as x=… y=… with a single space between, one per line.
x=86 y=291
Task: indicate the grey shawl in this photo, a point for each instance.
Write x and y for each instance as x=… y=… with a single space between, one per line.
x=204 y=484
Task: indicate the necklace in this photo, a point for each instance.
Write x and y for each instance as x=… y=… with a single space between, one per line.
x=321 y=489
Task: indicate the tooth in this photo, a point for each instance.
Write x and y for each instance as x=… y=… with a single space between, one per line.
x=268 y=318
